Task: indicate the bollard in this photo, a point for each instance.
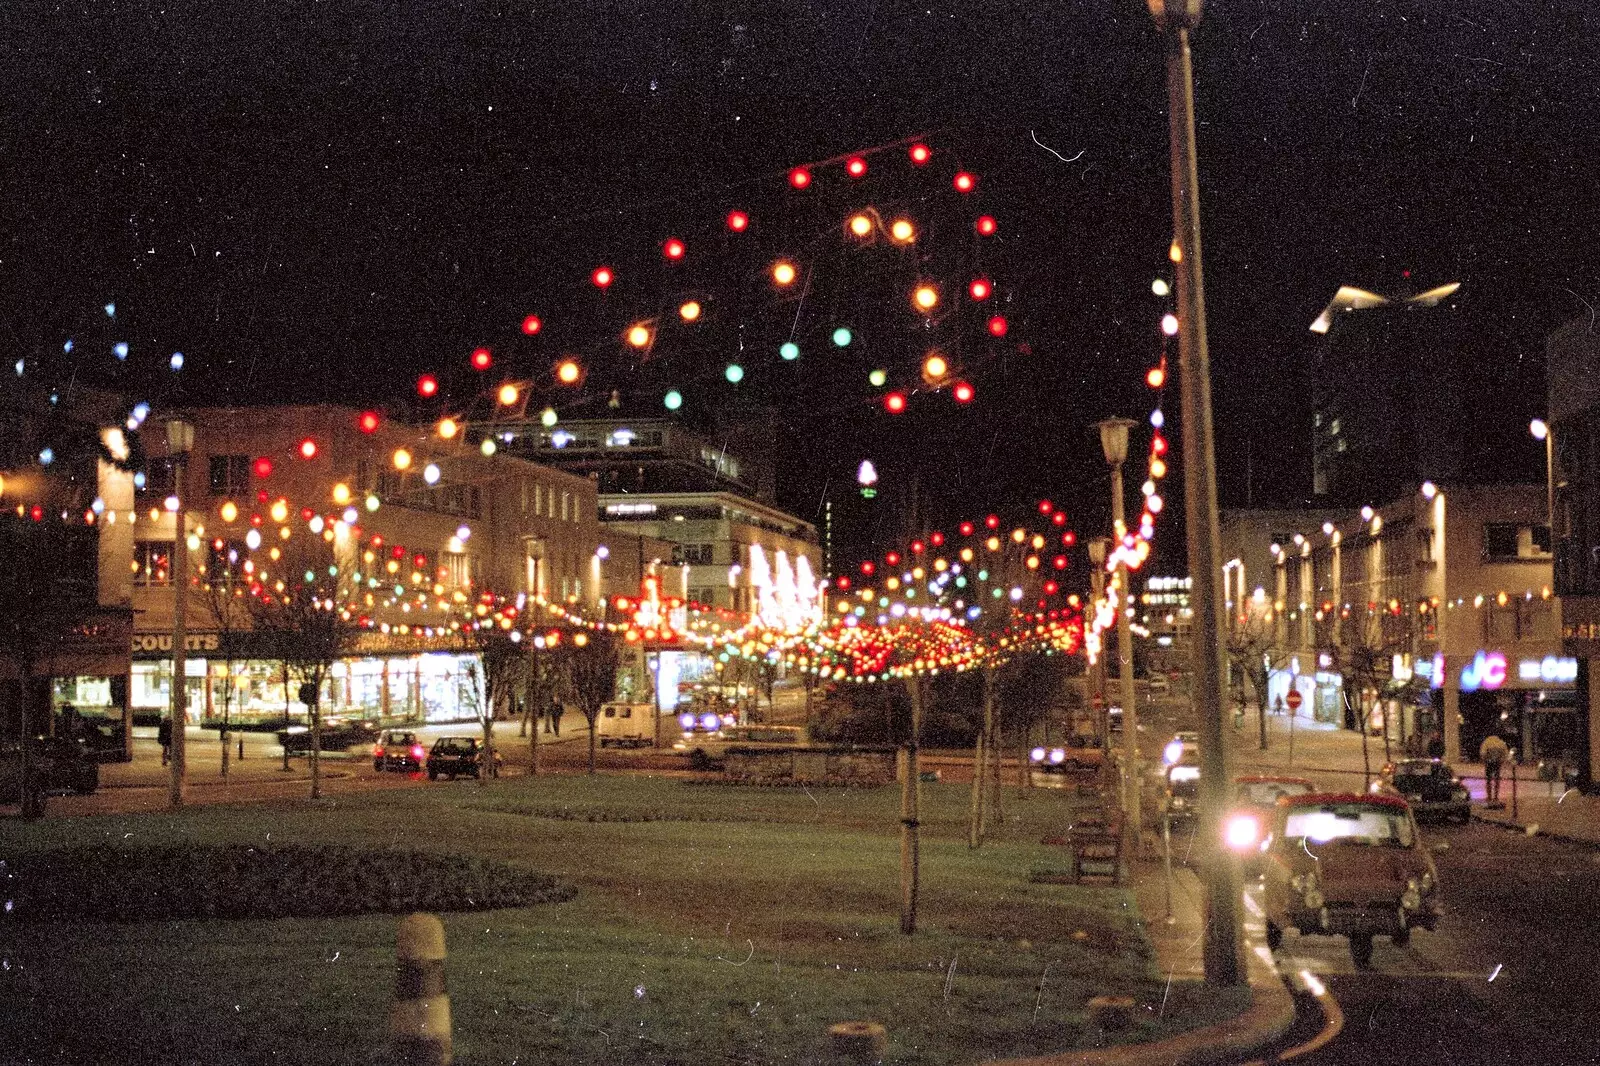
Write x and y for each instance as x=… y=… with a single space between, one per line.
x=419 y=1022
x=1111 y=1013
x=858 y=1042
x=241 y=749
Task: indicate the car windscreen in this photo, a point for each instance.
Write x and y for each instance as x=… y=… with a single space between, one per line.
x=1357 y=824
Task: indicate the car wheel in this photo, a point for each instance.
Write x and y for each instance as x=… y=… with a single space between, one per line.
x=433 y=775
x=1361 y=949
x=1401 y=939
x=1274 y=935
x=377 y=766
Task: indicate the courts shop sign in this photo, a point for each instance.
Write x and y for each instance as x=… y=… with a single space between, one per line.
x=1489 y=670
x=161 y=643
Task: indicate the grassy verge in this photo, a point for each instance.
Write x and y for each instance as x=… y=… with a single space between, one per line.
x=711 y=925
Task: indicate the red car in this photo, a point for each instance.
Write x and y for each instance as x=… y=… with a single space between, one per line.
x=398 y=751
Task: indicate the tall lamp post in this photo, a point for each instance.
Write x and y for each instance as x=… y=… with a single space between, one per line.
x=1114 y=442
x=180 y=442
x=1097 y=584
x=1541 y=431
x=1220 y=952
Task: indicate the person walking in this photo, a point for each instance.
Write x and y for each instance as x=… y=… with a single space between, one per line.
x=164 y=735
x=1492 y=753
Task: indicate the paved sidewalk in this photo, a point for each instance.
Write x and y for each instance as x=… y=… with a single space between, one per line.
x=1332 y=757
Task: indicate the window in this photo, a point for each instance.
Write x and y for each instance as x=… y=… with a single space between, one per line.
x=693 y=554
x=1505 y=541
x=225 y=558
x=152 y=563
x=230 y=475
x=566 y=501
x=457 y=569
x=159 y=479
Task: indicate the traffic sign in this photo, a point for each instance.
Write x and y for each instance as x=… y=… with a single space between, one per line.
x=1294 y=700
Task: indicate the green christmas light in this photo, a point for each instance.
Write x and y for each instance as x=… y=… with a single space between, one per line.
x=673 y=400
x=878 y=377
x=842 y=336
x=734 y=373
x=789 y=350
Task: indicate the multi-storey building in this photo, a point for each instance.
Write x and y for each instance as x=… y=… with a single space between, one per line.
x=449 y=518
x=1573 y=467
x=1434 y=610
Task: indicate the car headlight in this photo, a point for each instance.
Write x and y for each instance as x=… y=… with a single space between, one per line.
x=1036 y=755
x=1241 y=833
x=1411 y=898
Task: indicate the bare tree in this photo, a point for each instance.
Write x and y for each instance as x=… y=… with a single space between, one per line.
x=299 y=608
x=592 y=677
x=223 y=596
x=1253 y=653
x=493 y=630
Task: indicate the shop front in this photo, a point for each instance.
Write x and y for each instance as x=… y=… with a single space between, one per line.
x=1529 y=700
x=382 y=680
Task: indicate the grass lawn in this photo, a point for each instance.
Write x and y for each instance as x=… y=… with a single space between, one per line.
x=712 y=924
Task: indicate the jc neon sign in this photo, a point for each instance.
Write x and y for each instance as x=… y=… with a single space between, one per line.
x=1487 y=670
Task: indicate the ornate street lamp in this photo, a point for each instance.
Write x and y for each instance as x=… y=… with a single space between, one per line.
x=1114 y=443
x=180 y=442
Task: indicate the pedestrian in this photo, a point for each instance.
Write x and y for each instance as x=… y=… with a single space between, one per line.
x=1279 y=707
x=164 y=735
x=557 y=709
x=1492 y=753
x=1435 y=746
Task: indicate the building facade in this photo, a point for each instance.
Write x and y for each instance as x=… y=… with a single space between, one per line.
x=1433 y=613
x=421 y=518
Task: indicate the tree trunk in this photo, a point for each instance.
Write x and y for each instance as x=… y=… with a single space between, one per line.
x=316 y=747
x=593 y=721
x=1261 y=708
x=533 y=737
x=997 y=754
x=910 y=816
x=982 y=752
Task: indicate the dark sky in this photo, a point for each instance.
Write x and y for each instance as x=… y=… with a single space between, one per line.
x=321 y=200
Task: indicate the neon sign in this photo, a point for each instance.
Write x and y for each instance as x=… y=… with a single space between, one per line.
x=1487 y=670
x=1552 y=668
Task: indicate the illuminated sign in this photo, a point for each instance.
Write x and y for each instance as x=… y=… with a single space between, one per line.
x=1487 y=670
x=1559 y=670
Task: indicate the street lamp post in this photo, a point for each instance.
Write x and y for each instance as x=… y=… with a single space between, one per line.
x=1220 y=952
x=1541 y=431
x=1114 y=442
x=180 y=441
x=1097 y=584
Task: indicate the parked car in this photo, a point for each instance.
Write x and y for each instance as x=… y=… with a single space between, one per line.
x=398 y=750
x=1183 y=747
x=456 y=756
x=1340 y=864
x=337 y=735
x=1429 y=786
x=626 y=725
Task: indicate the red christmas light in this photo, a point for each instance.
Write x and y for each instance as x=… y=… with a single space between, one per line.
x=427 y=385
x=985 y=225
x=966 y=529
x=980 y=288
x=37 y=513
x=895 y=402
x=482 y=359
x=1061 y=562
x=998 y=326
x=936 y=539
x=531 y=325
x=602 y=277
x=856 y=166
x=1069 y=538
x=799 y=177
x=917 y=547
x=1051 y=587
x=893 y=558
x=964 y=182
x=306 y=513
x=842 y=581
x=920 y=154
x=738 y=221
x=262 y=467
x=962 y=392
x=673 y=249
x=868 y=567
x=308 y=449
x=1060 y=518
x=993 y=521
x=368 y=422
x=1045 y=507
x=1158 y=445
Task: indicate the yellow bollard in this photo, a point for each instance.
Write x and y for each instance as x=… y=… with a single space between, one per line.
x=419 y=1022
x=862 y=1043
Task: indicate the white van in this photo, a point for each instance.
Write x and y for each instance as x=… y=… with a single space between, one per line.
x=626 y=725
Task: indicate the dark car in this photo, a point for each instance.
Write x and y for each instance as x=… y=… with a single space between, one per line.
x=337 y=735
x=1180 y=799
x=1430 y=787
x=455 y=756
x=398 y=750
x=57 y=764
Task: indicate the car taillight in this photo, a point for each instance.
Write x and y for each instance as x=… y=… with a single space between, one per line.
x=416 y=752
x=377 y=751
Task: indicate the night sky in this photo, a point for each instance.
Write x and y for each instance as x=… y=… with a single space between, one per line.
x=319 y=201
